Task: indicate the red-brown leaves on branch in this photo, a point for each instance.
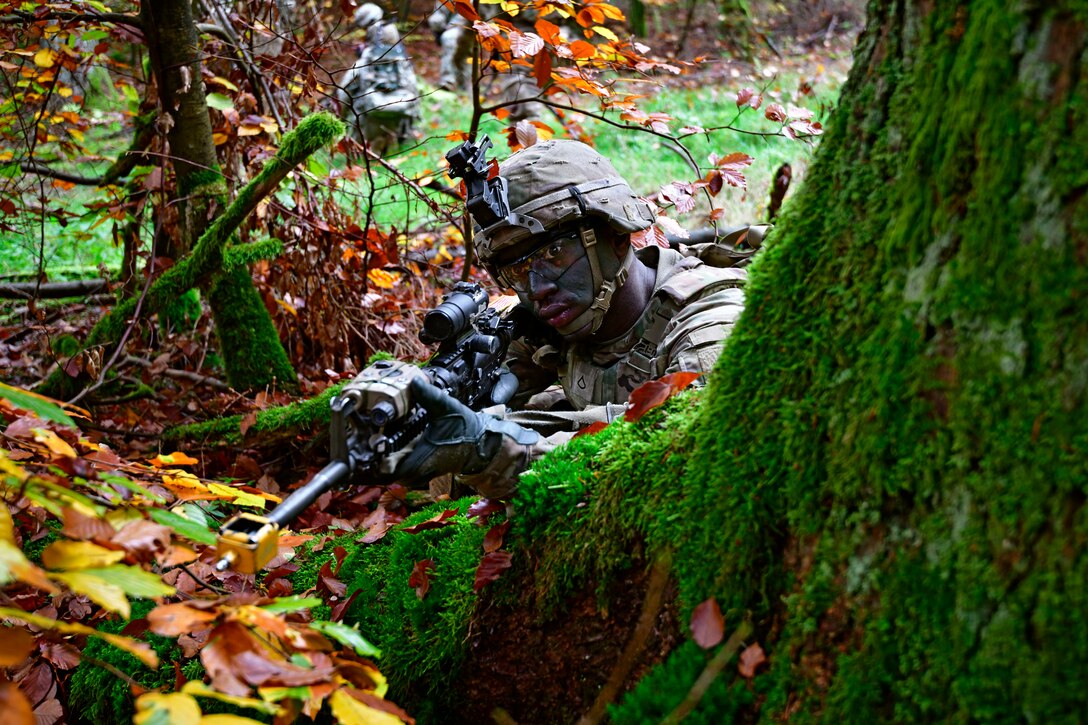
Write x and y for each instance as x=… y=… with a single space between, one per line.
x=707 y=625
x=653 y=393
x=494 y=537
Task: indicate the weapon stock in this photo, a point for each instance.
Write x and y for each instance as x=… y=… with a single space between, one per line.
x=374 y=418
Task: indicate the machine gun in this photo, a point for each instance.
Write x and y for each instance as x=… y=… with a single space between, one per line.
x=374 y=416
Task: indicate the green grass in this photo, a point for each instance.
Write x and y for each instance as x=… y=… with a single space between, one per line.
x=647 y=161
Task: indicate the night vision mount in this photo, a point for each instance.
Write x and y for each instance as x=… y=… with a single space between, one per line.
x=487 y=198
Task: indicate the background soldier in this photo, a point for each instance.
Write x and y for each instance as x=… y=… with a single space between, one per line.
x=604 y=316
x=379 y=95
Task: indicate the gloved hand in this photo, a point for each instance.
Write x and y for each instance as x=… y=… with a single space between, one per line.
x=457 y=439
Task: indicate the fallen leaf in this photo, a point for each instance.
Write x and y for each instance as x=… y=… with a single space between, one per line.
x=54 y=443
x=420 y=578
x=14 y=705
x=435 y=522
x=483 y=509
x=349 y=711
x=750 y=659
x=491 y=568
x=177 y=458
x=172 y=708
x=653 y=393
x=79 y=555
x=494 y=536
x=592 y=428
x=15 y=644
x=707 y=625
x=172 y=620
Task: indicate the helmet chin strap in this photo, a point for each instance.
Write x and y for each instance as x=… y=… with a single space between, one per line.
x=594 y=316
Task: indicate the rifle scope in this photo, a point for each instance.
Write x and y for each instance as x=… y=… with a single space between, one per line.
x=453 y=317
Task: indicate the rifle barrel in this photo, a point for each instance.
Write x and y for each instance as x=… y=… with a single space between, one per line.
x=325 y=479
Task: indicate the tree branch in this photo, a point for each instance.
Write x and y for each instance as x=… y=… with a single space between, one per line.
x=21 y=16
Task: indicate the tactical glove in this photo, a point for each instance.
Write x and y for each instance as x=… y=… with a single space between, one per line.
x=457 y=439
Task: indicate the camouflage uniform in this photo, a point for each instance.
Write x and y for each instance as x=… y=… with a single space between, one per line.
x=691 y=312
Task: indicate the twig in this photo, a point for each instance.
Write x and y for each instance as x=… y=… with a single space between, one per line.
x=651 y=605
x=201 y=582
x=709 y=673
x=180 y=374
x=113 y=670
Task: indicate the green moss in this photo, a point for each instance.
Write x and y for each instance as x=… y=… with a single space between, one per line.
x=98 y=696
x=302 y=416
x=243 y=255
x=422 y=640
x=256 y=359
x=181 y=313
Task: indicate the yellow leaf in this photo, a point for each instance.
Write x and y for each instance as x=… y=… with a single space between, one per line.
x=442 y=255
x=382 y=279
x=219 y=138
x=248 y=130
x=349 y=711
x=228 y=720
x=177 y=458
x=199 y=689
x=44 y=58
x=79 y=555
x=66 y=93
x=7 y=525
x=98 y=590
x=603 y=31
x=14 y=566
x=141 y=650
x=166 y=709
x=242 y=498
x=53 y=442
x=288 y=307
x=224 y=82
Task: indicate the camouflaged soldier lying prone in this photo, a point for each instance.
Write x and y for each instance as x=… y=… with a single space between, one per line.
x=609 y=317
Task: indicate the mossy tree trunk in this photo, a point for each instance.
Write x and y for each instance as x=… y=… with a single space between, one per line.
x=251 y=348
x=893 y=457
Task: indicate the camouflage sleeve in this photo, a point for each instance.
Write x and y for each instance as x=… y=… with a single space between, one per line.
x=523 y=360
x=499 y=478
x=696 y=334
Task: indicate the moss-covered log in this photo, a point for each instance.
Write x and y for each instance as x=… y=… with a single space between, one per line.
x=888 y=471
x=203 y=267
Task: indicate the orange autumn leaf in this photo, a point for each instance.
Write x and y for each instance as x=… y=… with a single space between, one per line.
x=653 y=393
x=177 y=458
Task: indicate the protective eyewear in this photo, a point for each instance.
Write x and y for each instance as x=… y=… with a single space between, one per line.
x=550 y=260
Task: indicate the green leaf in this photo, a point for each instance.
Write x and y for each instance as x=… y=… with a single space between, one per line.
x=347 y=636
x=35 y=404
x=292 y=604
x=184 y=527
x=219 y=102
x=132 y=486
x=94 y=34
x=133 y=580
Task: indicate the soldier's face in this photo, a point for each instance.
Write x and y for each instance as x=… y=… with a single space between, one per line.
x=557 y=282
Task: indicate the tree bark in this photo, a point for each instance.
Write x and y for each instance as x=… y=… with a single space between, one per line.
x=252 y=351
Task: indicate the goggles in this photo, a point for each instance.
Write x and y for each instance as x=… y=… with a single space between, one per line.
x=551 y=259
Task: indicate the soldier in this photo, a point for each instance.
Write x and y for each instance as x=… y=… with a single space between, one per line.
x=608 y=316
x=455 y=39
x=379 y=95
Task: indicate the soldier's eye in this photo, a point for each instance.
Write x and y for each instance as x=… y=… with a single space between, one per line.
x=553 y=251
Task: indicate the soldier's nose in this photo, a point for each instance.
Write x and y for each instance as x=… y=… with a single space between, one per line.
x=539 y=286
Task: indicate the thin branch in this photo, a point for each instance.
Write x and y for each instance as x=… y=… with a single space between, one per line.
x=709 y=674
x=21 y=16
x=34 y=167
x=651 y=606
x=180 y=374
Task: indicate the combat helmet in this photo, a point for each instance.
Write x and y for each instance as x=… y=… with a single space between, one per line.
x=556 y=182
x=367 y=15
